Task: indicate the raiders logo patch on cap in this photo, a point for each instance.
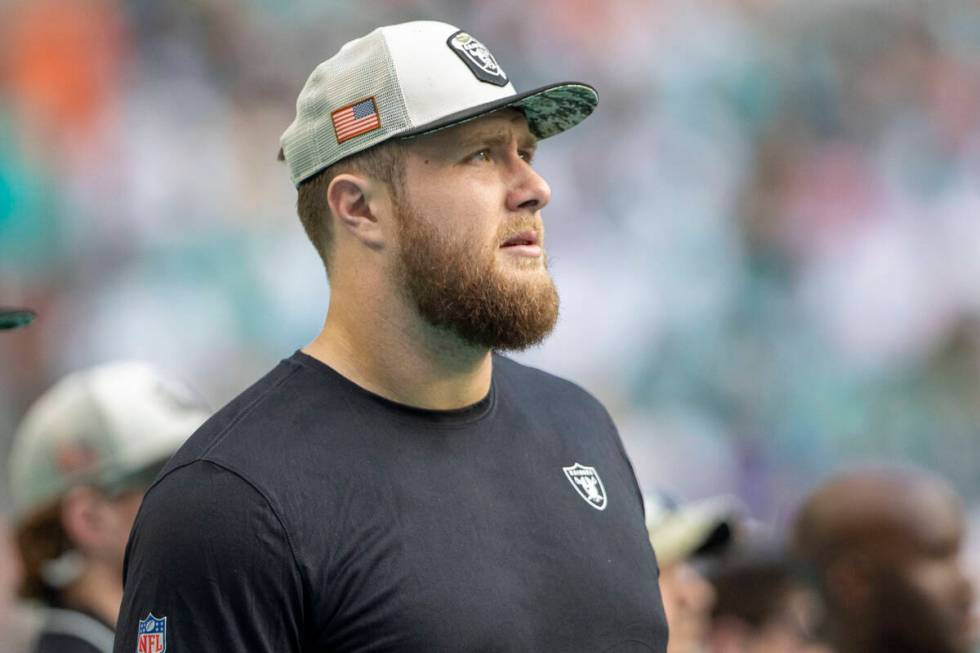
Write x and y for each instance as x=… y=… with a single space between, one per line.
x=476 y=55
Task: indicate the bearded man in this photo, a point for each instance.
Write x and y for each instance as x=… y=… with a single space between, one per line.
x=398 y=485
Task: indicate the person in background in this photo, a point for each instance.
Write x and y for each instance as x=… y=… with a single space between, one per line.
x=885 y=544
x=763 y=604
x=17 y=625
x=81 y=459
x=680 y=533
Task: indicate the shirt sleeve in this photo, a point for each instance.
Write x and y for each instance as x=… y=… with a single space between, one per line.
x=210 y=557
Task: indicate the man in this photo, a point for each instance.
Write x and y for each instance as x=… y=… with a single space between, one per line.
x=885 y=543
x=681 y=534
x=763 y=604
x=17 y=626
x=397 y=485
x=81 y=459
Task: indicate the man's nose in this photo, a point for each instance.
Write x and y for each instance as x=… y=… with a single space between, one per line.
x=529 y=191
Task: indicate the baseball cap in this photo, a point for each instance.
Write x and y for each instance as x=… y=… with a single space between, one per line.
x=680 y=531
x=108 y=426
x=410 y=79
x=12 y=318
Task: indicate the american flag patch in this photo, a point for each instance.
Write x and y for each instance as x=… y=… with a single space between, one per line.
x=355 y=119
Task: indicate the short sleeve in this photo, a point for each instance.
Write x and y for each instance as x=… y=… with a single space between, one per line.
x=210 y=557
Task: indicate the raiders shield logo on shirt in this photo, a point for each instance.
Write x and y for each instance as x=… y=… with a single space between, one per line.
x=478 y=58
x=587 y=483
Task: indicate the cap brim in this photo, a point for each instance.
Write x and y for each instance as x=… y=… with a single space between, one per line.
x=692 y=527
x=549 y=110
x=12 y=318
x=139 y=479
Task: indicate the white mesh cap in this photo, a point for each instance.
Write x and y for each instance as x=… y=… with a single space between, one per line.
x=409 y=79
x=106 y=426
x=679 y=531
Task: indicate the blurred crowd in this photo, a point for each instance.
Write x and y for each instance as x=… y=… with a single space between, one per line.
x=767 y=239
x=872 y=563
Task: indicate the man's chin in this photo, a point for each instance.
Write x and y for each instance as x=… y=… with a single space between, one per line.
x=503 y=300
x=509 y=261
x=522 y=270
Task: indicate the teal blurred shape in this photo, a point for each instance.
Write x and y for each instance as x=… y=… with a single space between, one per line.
x=12 y=318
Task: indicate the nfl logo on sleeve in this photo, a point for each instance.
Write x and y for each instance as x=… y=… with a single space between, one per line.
x=152 y=635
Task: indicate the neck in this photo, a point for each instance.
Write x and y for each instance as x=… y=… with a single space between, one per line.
x=386 y=348
x=98 y=592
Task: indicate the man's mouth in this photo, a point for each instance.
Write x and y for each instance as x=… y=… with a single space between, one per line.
x=524 y=243
x=523 y=238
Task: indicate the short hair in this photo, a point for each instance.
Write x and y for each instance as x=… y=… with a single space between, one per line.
x=382 y=162
x=753 y=586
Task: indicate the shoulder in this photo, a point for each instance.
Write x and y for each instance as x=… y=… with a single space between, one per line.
x=209 y=553
x=199 y=483
x=245 y=408
x=203 y=521
x=542 y=387
x=275 y=417
x=203 y=502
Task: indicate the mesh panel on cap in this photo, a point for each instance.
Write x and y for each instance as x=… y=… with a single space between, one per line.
x=362 y=69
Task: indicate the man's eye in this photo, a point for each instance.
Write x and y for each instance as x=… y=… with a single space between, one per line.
x=482 y=155
x=527 y=155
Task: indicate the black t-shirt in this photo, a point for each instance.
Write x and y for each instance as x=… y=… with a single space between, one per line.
x=311 y=515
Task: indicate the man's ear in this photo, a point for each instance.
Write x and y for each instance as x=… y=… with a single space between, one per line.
x=80 y=517
x=352 y=199
x=849 y=580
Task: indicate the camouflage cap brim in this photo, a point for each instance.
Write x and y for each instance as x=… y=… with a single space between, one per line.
x=549 y=110
x=13 y=318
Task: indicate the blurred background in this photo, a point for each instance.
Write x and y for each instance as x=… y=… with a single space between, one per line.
x=767 y=239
